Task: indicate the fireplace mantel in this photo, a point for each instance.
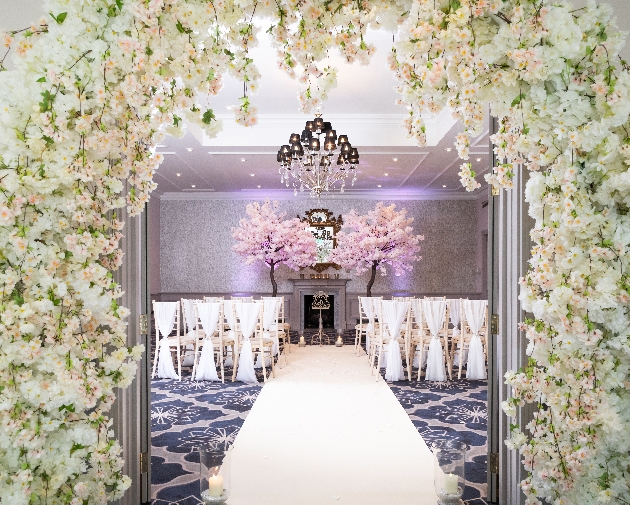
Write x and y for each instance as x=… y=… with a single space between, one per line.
x=301 y=287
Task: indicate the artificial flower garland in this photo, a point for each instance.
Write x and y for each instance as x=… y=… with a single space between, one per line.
x=97 y=83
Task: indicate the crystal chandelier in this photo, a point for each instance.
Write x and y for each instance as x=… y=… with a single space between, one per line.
x=315 y=163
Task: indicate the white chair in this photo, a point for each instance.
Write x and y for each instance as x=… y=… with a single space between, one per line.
x=212 y=299
x=189 y=322
x=209 y=330
x=366 y=323
x=249 y=331
x=390 y=343
x=280 y=328
x=271 y=325
x=435 y=320
x=167 y=316
x=473 y=338
x=246 y=299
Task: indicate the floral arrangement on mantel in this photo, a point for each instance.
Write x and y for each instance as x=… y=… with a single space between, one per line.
x=381 y=237
x=267 y=237
x=97 y=83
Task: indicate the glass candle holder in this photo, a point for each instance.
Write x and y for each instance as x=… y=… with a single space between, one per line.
x=450 y=478
x=214 y=474
x=339 y=342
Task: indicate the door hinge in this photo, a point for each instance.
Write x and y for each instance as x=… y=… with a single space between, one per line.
x=493 y=462
x=144 y=462
x=494 y=324
x=144 y=324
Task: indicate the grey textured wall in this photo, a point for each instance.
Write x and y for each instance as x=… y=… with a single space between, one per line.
x=196 y=248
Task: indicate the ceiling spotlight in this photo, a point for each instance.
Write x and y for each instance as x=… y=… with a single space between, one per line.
x=386 y=174
x=243 y=159
x=258 y=186
x=443 y=185
x=448 y=149
x=193 y=186
x=395 y=159
x=178 y=175
x=378 y=185
x=189 y=149
x=251 y=175
x=478 y=159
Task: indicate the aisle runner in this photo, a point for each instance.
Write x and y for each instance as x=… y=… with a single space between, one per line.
x=325 y=431
x=185 y=414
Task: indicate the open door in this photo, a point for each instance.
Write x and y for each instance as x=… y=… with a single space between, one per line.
x=131 y=410
x=509 y=248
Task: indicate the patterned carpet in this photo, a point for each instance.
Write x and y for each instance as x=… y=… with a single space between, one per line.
x=187 y=414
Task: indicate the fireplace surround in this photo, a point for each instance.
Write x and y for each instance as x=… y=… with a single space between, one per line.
x=303 y=287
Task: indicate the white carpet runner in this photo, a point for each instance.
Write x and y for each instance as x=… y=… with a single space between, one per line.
x=325 y=431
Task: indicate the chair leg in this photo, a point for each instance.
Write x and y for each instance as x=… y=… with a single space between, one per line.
x=378 y=363
x=235 y=356
x=155 y=358
x=262 y=359
x=408 y=367
x=179 y=362
x=273 y=363
x=220 y=355
x=194 y=371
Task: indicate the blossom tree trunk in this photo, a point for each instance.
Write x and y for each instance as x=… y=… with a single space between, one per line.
x=372 y=277
x=274 y=284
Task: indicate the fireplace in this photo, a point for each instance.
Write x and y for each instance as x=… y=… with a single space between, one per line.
x=303 y=291
x=311 y=315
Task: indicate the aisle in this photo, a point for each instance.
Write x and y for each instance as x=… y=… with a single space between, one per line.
x=325 y=431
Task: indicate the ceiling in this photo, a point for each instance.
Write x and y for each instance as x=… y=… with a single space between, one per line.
x=362 y=106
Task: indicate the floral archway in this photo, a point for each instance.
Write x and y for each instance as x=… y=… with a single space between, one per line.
x=97 y=83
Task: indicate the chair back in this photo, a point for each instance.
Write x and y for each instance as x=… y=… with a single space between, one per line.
x=212 y=299
x=246 y=299
x=166 y=316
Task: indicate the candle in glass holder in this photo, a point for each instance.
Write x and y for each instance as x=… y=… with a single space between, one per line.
x=302 y=340
x=215 y=485
x=450 y=484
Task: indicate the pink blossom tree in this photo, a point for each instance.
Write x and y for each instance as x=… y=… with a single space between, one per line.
x=265 y=236
x=382 y=236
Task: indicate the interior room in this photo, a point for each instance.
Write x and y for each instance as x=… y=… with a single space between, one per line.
x=317 y=252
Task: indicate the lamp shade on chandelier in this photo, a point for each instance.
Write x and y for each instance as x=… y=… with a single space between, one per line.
x=318 y=159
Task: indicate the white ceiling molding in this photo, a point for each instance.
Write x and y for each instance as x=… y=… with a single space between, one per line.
x=348 y=195
x=362 y=129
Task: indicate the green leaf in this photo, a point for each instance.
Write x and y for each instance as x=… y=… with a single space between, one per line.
x=49 y=141
x=76 y=447
x=60 y=18
x=518 y=99
x=41 y=79
x=119 y=3
x=207 y=116
x=69 y=408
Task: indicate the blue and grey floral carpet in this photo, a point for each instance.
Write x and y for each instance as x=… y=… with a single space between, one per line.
x=187 y=414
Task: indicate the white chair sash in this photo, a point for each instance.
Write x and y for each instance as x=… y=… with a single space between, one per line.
x=368 y=308
x=248 y=316
x=416 y=311
x=271 y=308
x=394 y=315
x=434 y=314
x=209 y=317
x=454 y=306
x=475 y=311
x=229 y=317
x=189 y=320
x=164 y=315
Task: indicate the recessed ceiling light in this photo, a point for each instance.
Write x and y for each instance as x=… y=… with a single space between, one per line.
x=448 y=149
x=258 y=186
x=243 y=159
x=193 y=186
x=386 y=174
x=378 y=185
x=178 y=175
x=189 y=149
x=252 y=175
x=478 y=159
x=395 y=159
x=443 y=185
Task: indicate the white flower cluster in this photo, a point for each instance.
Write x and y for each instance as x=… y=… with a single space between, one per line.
x=553 y=78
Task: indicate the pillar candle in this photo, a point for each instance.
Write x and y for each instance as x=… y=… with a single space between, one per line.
x=450 y=484
x=215 y=485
